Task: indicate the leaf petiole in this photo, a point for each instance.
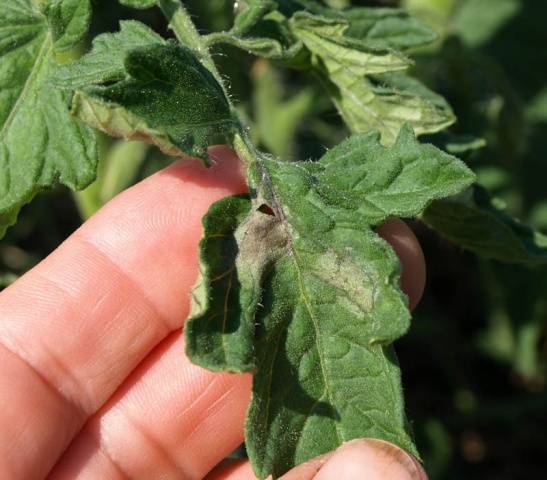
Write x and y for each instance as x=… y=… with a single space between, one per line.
x=186 y=32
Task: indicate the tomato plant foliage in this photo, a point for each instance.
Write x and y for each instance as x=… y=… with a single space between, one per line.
x=295 y=286
x=40 y=144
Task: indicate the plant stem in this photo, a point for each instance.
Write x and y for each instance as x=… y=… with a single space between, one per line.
x=244 y=147
x=187 y=34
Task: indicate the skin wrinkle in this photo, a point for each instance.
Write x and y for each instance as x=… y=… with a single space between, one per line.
x=178 y=470
x=104 y=453
x=198 y=469
x=191 y=471
x=81 y=393
x=74 y=407
x=209 y=409
x=139 y=398
x=70 y=409
x=165 y=323
x=94 y=444
x=307 y=470
x=100 y=435
x=24 y=308
x=198 y=399
x=16 y=347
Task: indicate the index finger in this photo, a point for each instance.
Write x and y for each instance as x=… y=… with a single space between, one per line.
x=76 y=325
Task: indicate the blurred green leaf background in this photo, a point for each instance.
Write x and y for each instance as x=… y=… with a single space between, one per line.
x=474 y=363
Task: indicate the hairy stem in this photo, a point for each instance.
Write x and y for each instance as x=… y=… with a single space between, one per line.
x=244 y=147
x=187 y=34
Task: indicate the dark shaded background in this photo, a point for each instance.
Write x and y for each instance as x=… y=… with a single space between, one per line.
x=474 y=362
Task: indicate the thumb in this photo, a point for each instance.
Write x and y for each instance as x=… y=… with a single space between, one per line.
x=368 y=459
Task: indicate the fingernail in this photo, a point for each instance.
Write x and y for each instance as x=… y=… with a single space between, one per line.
x=307 y=471
x=370 y=459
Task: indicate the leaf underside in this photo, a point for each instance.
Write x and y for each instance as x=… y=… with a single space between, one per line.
x=297 y=287
x=364 y=79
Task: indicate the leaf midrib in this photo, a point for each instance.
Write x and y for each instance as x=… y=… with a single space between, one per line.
x=318 y=340
x=36 y=68
x=283 y=219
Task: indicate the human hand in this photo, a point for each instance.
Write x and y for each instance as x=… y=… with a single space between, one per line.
x=94 y=382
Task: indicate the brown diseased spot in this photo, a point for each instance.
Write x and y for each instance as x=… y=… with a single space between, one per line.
x=266 y=209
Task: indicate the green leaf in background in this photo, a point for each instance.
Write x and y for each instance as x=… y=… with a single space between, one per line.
x=325 y=37
x=40 y=144
x=352 y=50
x=69 y=21
x=149 y=89
x=260 y=46
x=251 y=16
x=478 y=21
x=388 y=27
x=306 y=268
x=261 y=31
x=455 y=144
x=118 y=169
x=139 y=4
x=105 y=62
x=517 y=320
x=289 y=7
x=383 y=102
x=475 y=222
x=278 y=119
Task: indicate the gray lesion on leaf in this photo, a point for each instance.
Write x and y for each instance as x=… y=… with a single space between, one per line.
x=354 y=287
x=264 y=237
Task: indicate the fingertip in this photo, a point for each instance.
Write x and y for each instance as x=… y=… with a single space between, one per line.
x=371 y=459
x=232 y=470
x=413 y=276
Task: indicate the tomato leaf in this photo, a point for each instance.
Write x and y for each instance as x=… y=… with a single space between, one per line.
x=40 y=144
x=354 y=71
x=264 y=32
x=306 y=268
x=355 y=52
x=135 y=85
x=139 y=4
x=69 y=22
x=105 y=63
x=388 y=26
x=477 y=222
x=220 y=334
